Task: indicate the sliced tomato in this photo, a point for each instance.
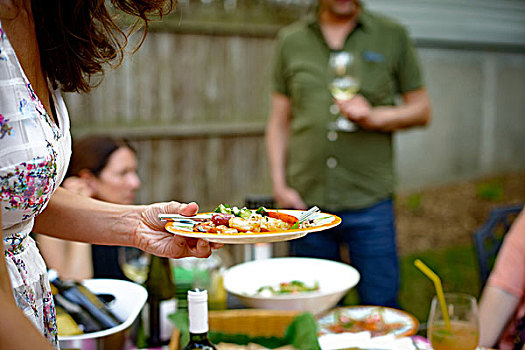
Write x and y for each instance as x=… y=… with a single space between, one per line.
x=221 y=219
x=290 y=219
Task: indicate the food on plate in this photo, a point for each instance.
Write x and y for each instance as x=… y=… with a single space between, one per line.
x=232 y=220
x=250 y=346
x=374 y=323
x=292 y=287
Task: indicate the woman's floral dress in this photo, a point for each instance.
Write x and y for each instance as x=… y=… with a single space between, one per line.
x=34 y=155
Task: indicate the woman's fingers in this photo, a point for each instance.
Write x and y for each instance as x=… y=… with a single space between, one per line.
x=188 y=209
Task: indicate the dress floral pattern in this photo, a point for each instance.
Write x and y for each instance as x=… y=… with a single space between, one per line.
x=34 y=154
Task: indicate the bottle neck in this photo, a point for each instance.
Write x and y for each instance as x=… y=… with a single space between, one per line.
x=198 y=316
x=159 y=283
x=199 y=337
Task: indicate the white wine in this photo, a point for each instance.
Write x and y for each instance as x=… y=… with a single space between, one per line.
x=344 y=88
x=135 y=272
x=134 y=263
x=198 y=317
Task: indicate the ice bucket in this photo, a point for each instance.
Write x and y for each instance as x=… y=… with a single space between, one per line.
x=129 y=299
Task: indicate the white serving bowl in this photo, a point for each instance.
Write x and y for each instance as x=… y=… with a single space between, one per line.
x=335 y=279
x=129 y=300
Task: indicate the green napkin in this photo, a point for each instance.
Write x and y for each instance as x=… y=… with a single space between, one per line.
x=301 y=333
x=181 y=321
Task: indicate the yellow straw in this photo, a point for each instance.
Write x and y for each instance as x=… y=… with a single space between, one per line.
x=439 y=289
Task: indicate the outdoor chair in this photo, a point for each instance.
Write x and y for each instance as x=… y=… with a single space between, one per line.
x=488 y=239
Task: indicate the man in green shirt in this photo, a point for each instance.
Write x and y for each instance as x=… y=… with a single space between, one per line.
x=348 y=172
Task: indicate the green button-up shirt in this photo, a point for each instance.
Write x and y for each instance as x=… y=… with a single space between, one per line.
x=343 y=170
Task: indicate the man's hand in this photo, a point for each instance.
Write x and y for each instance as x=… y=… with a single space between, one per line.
x=359 y=111
x=289 y=198
x=415 y=111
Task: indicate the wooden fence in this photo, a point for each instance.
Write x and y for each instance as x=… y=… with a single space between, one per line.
x=195 y=107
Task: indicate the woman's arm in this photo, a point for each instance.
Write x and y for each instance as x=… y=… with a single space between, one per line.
x=504 y=289
x=72 y=260
x=75 y=217
x=16 y=330
x=495 y=310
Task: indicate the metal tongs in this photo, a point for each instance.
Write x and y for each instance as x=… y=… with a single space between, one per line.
x=304 y=216
x=182 y=218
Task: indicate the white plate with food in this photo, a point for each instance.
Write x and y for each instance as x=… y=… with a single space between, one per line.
x=377 y=320
x=246 y=226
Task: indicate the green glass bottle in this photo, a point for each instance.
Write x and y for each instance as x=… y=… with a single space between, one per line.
x=161 y=302
x=198 y=317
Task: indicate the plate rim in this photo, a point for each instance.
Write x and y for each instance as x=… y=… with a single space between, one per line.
x=409 y=332
x=260 y=237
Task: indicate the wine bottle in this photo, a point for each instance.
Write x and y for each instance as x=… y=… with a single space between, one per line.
x=76 y=293
x=198 y=317
x=161 y=302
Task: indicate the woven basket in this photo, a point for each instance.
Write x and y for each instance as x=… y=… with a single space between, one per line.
x=252 y=322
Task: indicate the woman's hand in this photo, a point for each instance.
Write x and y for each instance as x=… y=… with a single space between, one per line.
x=152 y=237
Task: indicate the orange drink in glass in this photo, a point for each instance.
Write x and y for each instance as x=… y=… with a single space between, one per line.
x=462 y=332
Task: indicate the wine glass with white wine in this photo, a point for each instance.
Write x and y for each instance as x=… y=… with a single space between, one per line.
x=344 y=84
x=134 y=263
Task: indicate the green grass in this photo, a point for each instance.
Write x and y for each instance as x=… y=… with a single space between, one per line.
x=490 y=191
x=456 y=266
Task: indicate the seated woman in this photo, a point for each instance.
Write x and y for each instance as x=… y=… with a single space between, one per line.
x=105 y=169
x=502 y=304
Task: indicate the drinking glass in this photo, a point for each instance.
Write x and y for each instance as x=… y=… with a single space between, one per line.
x=463 y=333
x=134 y=263
x=343 y=84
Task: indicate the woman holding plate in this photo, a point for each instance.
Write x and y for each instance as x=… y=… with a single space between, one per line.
x=47 y=47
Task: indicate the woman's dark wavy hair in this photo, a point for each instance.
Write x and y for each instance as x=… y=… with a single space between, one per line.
x=78 y=37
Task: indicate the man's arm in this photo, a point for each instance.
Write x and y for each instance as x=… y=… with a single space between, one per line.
x=277 y=136
x=415 y=111
x=16 y=330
